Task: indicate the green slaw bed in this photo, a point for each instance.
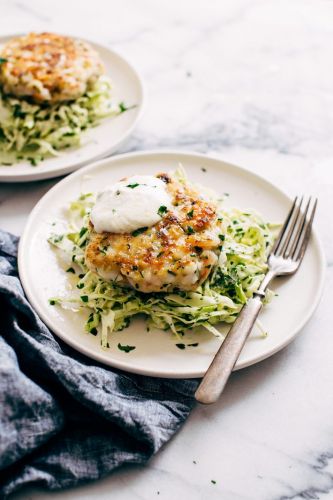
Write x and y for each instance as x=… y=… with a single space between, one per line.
x=241 y=267
x=32 y=132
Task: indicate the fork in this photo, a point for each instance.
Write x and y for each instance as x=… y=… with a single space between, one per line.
x=285 y=258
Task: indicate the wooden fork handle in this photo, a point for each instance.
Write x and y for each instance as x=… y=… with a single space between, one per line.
x=224 y=361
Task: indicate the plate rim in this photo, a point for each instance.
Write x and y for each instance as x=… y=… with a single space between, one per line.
x=31 y=176
x=118 y=364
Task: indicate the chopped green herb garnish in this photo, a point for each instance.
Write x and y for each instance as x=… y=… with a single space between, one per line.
x=70 y=270
x=193 y=345
x=56 y=238
x=213 y=481
x=3 y=60
x=139 y=231
x=126 y=348
x=190 y=214
x=190 y=230
x=84 y=298
x=203 y=169
x=171 y=272
x=222 y=237
x=93 y=331
x=132 y=186
x=33 y=161
x=123 y=107
x=83 y=231
x=162 y=210
x=180 y=346
x=53 y=302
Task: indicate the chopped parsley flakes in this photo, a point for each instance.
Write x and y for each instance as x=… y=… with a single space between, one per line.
x=126 y=348
x=53 y=302
x=183 y=346
x=162 y=210
x=139 y=231
x=33 y=161
x=122 y=107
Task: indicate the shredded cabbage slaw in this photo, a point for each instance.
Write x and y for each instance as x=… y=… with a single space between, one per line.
x=32 y=132
x=241 y=267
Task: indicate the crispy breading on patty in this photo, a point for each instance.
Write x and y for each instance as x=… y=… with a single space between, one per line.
x=178 y=252
x=48 y=68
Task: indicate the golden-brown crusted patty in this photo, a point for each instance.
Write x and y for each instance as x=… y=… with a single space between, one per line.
x=48 y=67
x=177 y=252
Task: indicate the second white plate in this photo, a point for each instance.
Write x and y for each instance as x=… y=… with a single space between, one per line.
x=156 y=352
x=98 y=142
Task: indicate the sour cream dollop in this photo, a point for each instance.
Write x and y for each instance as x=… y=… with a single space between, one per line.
x=130 y=204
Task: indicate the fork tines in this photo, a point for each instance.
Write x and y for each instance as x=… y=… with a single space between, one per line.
x=295 y=233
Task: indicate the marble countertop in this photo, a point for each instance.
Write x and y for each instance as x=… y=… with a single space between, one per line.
x=250 y=82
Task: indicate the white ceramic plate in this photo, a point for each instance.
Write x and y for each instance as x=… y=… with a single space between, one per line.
x=98 y=142
x=156 y=353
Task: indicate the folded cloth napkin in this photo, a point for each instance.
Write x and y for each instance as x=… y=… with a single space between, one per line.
x=65 y=419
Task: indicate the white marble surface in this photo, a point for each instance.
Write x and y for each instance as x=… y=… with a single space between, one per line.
x=250 y=81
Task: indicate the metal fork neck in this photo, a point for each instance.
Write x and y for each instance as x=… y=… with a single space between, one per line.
x=264 y=284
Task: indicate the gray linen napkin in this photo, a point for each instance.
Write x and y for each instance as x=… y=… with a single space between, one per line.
x=65 y=419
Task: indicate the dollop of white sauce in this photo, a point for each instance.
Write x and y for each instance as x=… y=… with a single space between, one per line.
x=130 y=204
